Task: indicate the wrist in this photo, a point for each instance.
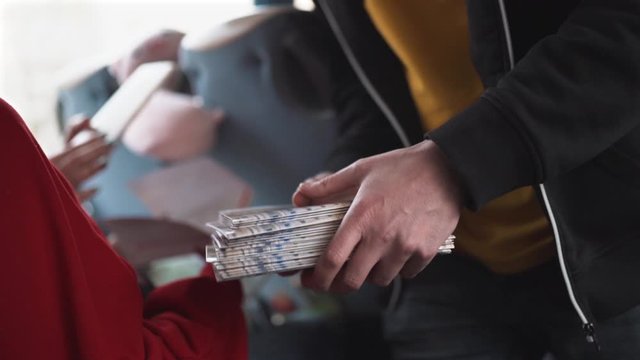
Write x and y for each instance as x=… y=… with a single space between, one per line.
x=446 y=171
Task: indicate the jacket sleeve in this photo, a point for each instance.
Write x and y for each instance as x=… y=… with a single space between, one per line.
x=197 y=318
x=573 y=96
x=67 y=295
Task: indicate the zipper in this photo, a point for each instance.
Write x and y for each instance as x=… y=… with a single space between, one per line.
x=587 y=326
x=386 y=110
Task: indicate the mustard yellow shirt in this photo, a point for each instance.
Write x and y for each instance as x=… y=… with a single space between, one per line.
x=511 y=233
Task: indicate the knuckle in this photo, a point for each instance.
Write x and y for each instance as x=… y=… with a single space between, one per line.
x=333 y=259
x=351 y=283
x=409 y=274
x=362 y=207
x=408 y=248
x=325 y=182
x=368 y=209
x=388 y=238
x=424 y=255
x=382 y=280
x=359 y=167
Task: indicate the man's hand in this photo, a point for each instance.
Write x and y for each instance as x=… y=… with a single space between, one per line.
x=407 y=202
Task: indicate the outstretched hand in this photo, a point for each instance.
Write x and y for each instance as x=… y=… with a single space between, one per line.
x=80 y=162
x=405 y=204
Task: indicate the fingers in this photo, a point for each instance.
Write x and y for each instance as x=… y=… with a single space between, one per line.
x=407 y=201
x=91 y=151
x=357 y=269
x=80 y=122
x=334 y=183
x=301 y=200
x=416 y=263
x=91 y=143
x=319 y=176
x=346 y=195
x=329 y=187
x=71 y=155
x=88 y=171
x=366 y=247
x=338 y=250
x=84 y=195
x=81 y=162
x=423 y=255
x=390 y=265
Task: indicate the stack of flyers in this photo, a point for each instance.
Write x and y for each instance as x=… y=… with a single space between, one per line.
x=260 y=240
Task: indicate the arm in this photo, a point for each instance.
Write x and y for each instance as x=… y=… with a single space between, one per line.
x=67 y=295
x=196 y=317
x=407 y=201
x=577 y=90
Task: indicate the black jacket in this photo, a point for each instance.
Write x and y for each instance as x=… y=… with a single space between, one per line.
x=561 y=110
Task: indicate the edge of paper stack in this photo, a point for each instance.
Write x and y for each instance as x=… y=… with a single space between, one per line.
x=260 y=240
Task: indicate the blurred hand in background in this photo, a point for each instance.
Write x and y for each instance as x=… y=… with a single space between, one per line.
x=161 y=46
x=80 y=162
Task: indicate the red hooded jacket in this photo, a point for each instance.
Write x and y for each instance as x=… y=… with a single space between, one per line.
x=65 y=294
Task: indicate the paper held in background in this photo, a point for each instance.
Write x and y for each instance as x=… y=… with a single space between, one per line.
x=192 y=191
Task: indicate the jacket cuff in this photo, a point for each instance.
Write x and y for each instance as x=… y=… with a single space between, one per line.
x=486 y=151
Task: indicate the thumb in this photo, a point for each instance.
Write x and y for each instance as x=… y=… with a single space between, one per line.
x=328 y=188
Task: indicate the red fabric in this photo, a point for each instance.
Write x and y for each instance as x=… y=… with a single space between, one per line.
x=65 y=294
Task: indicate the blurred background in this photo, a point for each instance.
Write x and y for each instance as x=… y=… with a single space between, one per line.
x=43 y=41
